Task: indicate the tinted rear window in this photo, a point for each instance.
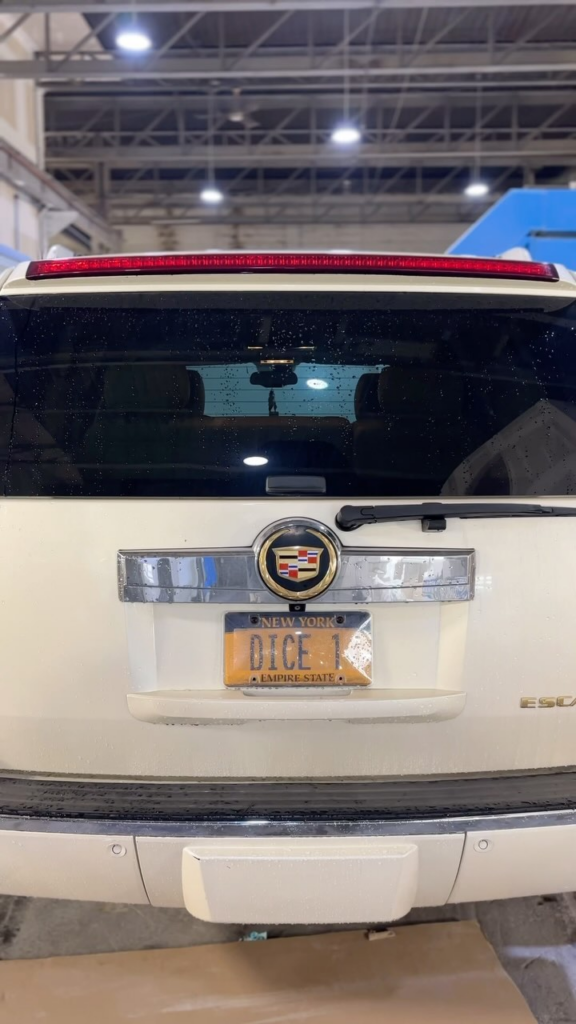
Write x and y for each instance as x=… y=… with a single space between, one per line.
x=380 y=394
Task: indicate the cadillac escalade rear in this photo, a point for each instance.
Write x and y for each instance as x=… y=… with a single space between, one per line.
x=287 y=589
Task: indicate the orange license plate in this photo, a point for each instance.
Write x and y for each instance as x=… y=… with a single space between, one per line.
x=288 y=649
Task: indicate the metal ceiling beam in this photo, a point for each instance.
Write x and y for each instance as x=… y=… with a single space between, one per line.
x=463 y=62
x=297 y=190
x=408 y=208
x=495 y=153
x=4 y=36
x=304 y=204
x=400 y=215
x=85 y=102
x=234 y=6
x=277 y=90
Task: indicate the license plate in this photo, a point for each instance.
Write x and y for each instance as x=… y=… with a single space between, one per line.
x=332 y=649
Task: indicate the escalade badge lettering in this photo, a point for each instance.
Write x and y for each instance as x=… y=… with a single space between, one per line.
x=565 y=701
x=298 y=559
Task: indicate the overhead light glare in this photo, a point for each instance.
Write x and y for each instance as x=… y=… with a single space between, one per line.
x=476 y=190
x=134 y=40
x=211 y=195
x=316 y=384
x=346 y=135
x=255 y=460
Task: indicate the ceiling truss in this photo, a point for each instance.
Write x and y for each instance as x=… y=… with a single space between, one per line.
x=441 y=90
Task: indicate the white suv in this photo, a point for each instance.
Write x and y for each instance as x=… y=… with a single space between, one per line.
x=287 y=584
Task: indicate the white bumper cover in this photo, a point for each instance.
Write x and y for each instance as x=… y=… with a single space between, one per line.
x=295 y=879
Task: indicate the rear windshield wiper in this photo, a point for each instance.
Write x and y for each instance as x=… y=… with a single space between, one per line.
x=434 y=514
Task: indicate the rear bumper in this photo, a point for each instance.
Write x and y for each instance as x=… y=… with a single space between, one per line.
x=289 y=853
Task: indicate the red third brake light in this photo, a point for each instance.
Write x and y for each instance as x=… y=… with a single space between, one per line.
x=314 y=263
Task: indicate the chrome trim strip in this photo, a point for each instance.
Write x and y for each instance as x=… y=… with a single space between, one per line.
x=253 y=828
x=230 y=576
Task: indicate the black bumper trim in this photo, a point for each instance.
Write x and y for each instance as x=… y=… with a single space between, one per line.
x=256 y=828
x=290 y=801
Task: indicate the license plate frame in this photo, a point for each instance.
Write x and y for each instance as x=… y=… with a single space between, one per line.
x=332 y=649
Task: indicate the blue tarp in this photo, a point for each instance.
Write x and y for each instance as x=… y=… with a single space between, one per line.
x=10 y=257
x=543 y=221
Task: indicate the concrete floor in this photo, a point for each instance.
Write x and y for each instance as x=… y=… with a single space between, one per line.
x=534 y=938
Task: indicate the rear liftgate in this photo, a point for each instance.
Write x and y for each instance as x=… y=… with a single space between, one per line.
x=286 y=659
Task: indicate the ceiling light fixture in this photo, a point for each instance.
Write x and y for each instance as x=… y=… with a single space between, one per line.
x=476 y=190
x=316 y=384
x=346 y=135
x=211 y=195
x=134 y=40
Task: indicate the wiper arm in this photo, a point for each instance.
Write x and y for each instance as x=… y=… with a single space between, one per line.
x=434 y=514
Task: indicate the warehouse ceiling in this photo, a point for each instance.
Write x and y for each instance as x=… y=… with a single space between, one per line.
x=247 y=94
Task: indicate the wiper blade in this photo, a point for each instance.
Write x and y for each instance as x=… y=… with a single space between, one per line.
x=434 y=514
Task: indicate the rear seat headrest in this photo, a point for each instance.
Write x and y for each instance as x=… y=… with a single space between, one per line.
x=405 y=389
x=197 y=399
x=401 y=387
x=366 y=396
x=146 y=387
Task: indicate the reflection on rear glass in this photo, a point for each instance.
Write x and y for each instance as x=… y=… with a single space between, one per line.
x=380 y=394
x=228 y=391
